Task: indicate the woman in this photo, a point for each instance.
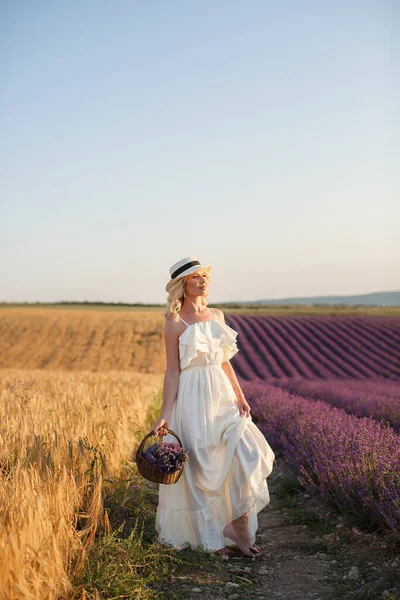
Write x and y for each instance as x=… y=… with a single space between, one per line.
x=223 y=486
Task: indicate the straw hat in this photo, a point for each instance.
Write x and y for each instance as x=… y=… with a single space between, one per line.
x=184 y=267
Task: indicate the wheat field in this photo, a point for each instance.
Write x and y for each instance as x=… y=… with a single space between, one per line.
x=76 y=389
x=80 y=340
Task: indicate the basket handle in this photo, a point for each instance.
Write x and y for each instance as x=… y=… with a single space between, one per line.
x=140 y=449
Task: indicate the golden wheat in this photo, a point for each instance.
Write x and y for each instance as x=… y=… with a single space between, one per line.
x=60 y=434
x=81 y=340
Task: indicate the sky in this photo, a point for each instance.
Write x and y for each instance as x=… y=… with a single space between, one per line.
x=260 y=137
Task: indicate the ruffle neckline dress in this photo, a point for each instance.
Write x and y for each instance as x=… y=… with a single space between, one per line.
x=230 y=458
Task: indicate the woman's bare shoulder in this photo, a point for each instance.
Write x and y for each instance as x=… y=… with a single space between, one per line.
x=172 y=327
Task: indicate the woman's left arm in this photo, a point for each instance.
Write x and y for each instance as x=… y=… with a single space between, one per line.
x=228 y=369
x=242 y=403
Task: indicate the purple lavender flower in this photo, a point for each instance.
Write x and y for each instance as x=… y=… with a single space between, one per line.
x=167 y=457
x=353 y=462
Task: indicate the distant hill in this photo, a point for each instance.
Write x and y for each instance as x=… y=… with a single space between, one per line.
x=373 y=299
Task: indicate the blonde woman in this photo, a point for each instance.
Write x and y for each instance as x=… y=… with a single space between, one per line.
x=223 y=486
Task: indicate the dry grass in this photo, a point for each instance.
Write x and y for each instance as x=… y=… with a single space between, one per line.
x=81 y=340
x=61 y=434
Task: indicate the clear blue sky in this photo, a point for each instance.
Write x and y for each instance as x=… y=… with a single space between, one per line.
x=262 y=137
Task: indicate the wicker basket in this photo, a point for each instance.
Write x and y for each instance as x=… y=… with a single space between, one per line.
x=149 y=471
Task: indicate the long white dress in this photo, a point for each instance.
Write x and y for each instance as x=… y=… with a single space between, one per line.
x=230 y=458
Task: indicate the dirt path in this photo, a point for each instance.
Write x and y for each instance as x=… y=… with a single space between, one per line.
x=306 y=553
x=288 y=566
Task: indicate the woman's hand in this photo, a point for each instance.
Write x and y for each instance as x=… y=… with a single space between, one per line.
x=243 y=406
x=160 y=427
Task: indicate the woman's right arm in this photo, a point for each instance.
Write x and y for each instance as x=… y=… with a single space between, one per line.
x=171 y=377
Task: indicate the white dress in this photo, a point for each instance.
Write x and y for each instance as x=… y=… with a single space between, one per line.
x=230 y=458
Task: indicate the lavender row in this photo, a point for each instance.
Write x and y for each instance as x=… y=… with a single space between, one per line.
x=324 y=347
x=377 y=399
x=353 y=463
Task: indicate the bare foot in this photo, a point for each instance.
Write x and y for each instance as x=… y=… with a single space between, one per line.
x=241 y=527
x=230 y=532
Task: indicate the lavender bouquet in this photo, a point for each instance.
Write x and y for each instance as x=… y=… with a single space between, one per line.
x=167 y=457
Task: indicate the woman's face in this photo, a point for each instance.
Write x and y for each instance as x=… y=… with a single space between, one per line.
x=197 y=283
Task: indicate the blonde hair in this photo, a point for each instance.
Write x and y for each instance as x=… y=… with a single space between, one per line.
x=176 y=294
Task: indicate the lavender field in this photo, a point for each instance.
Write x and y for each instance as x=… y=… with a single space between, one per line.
x=323 y=347
x=325 y=391
x=370 y=398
